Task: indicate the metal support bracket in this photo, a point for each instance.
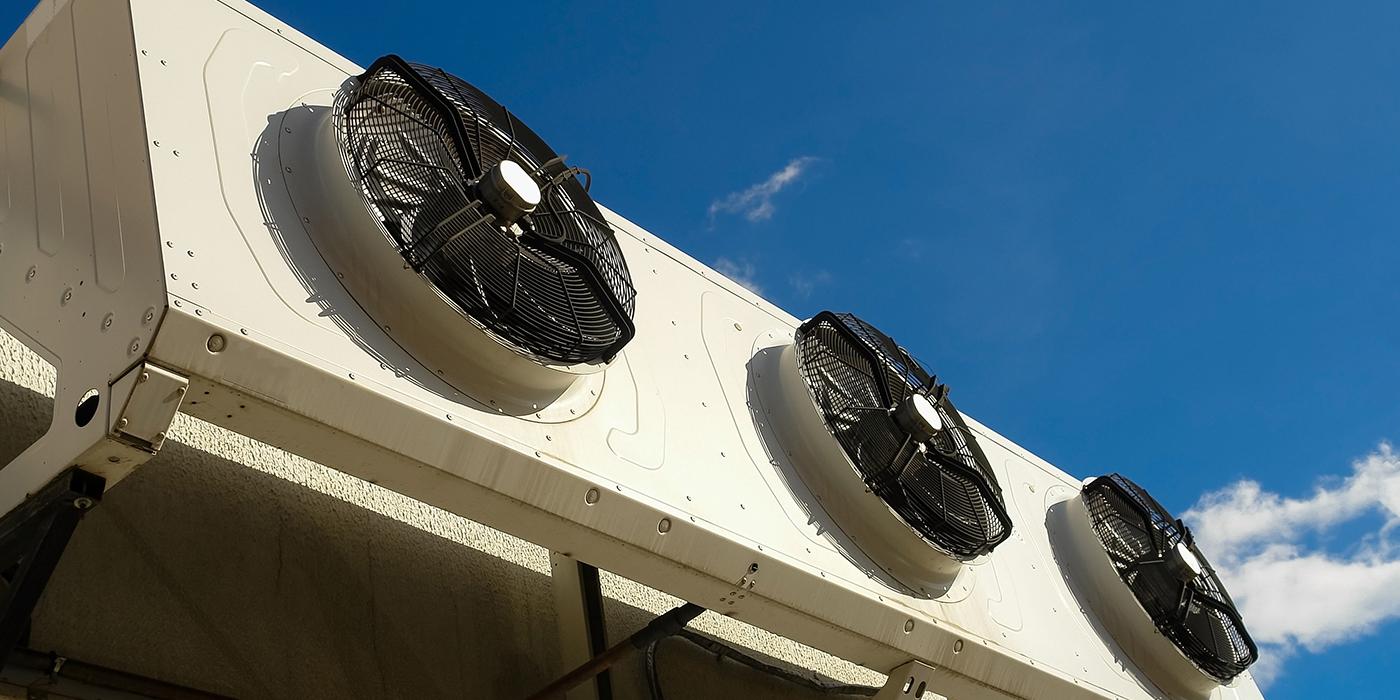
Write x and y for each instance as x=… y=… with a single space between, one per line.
x=32 y=538
x=131 y=417
x=578 y=602
x=909 y=681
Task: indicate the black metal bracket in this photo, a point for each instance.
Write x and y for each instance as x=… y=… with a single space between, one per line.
x=32 y=539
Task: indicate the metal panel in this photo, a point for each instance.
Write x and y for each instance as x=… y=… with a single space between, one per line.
x=80 y=269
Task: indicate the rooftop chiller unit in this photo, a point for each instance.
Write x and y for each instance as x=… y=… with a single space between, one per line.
x=386 y=271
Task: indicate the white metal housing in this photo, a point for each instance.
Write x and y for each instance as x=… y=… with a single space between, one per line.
x=148 y=216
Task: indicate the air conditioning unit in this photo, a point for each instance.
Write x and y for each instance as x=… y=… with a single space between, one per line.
x=384 y=270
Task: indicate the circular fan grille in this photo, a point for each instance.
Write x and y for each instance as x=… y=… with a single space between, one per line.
x=554 y=285
x=1196 y=613
x=942 y=488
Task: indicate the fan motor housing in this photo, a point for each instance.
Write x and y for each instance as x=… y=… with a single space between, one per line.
x=1098 y=582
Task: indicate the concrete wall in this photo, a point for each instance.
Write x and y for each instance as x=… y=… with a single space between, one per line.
x=228 y=565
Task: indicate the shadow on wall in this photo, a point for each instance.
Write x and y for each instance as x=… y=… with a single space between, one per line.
x=205 y=572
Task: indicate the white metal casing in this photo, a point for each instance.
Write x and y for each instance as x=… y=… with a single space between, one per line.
x=665 y=479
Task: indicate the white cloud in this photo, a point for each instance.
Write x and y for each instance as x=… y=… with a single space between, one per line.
x=741 y=271
x=1298 y=597
x=756 y=202
x=807 y=282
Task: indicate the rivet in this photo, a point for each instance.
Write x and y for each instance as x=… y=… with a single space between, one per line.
x=737 y=326
x=549 y=438
x=592 y=496
x=957 y=647
x=67 y=296
x=189 y=253
x=135 y=345
x=216 y=343
x=175 y=153
x=107 y=322
x=32 y=271
x=150 y=316
x=908 y=626
x=244 y=331
x=145 y=377
x=194 y=285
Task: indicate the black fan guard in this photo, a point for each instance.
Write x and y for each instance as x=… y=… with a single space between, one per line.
x=415 y=141
x=947 y=492
x=1197 y=615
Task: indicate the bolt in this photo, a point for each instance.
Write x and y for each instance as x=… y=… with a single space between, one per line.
x=83 y=503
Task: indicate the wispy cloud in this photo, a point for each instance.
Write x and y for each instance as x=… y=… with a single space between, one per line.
x=756 y=202
x=1296 y=596
x=741 y=271
x=804 y=283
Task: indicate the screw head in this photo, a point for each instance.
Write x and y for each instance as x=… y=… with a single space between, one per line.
x=121 y=424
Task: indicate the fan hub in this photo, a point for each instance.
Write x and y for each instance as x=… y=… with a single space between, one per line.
x=919 y=417
x=1185 y=562
x=509 y=191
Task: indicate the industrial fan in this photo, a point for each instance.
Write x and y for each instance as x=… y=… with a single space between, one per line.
x=483 y=208
x=1153 y=589
x=483 y=220
x=879 y=443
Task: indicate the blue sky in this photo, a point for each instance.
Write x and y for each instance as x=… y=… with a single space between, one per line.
x=1149 y=239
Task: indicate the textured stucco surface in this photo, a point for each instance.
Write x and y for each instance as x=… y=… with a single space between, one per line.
x=229 y=565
